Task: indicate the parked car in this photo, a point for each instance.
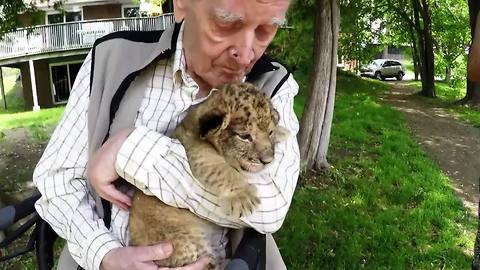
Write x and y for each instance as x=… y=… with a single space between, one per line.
x=384 y=68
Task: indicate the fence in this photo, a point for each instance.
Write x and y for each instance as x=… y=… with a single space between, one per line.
x=73 y=35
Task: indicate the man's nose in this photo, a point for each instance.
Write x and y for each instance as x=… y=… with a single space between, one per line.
x=243 y=55
x=243 y=52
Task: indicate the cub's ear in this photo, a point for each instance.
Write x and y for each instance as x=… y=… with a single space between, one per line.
x=280 y=134
x=212 y=122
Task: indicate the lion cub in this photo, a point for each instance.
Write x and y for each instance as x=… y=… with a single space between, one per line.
x=233 y=130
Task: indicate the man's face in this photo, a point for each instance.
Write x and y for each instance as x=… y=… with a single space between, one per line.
x=224 y=38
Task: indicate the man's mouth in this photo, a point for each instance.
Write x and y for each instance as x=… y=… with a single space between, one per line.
x=233 y=72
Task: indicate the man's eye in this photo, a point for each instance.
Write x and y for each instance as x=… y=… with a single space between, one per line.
x=223 y=26
x=265 y=32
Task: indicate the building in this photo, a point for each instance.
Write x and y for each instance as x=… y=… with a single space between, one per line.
x=49 y=55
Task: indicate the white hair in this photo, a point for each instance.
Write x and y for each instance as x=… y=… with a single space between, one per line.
x=229 y=16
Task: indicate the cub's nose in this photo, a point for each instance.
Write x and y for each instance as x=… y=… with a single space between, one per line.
x=267 y=156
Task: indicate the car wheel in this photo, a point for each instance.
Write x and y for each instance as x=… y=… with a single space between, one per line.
x=400 y=76
x=379 y=76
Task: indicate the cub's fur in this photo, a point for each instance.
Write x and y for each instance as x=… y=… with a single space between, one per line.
x=234 y=130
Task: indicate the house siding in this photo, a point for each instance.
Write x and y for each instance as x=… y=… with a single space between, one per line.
x=43 y=84
x=42 y=79
x=91 y=10
x=102 y=12
x=27 y=20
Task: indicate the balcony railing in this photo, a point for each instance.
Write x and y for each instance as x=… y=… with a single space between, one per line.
x=72 y=35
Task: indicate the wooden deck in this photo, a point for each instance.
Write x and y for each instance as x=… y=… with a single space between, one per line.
x=72 y=36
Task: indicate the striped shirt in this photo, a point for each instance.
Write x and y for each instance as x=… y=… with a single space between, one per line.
x=152 y=161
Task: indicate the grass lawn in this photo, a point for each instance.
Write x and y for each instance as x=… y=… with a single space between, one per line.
x=40 y=123
x=383 y=205
x=13 y=92
x=447 y=96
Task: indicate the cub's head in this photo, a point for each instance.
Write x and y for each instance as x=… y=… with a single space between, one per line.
x=242 y=124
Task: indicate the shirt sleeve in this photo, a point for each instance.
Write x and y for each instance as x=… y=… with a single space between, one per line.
x=158 y=165
x=60 y=176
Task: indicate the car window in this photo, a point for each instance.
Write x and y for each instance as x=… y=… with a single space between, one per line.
x=395 y=63
x=387 y=64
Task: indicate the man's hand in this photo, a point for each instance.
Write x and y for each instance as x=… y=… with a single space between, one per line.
x=143 y=257
x=101 y=170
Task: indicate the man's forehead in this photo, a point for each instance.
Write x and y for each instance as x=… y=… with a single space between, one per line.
x=235 y=10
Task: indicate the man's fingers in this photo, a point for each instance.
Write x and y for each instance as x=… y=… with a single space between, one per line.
x=121 y=205
x=155 y=252
x=198 y=265
x=115 y=196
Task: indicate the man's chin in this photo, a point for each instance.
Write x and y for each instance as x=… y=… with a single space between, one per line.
x=218 y=80
x=232 y=78
x=219 y=83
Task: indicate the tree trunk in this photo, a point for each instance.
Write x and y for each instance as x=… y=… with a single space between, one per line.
x=415 y=53
x=428 y=61
x=316 y=122
x=385 y=53
x=448 y=74
x=417 y=65
x=472 y=96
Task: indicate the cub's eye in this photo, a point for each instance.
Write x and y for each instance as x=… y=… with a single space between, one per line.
x=245 y=137
x=271 y=133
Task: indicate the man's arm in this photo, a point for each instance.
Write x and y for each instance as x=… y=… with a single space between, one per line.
x=474 y=56
x=69 y=207
x=276 y=184
x=158 y=165
x=66 y=203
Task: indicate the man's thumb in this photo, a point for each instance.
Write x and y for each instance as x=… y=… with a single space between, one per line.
x=155 y=252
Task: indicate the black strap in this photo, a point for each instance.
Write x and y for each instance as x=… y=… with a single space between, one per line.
x=107 y=213
x=282 y=81
x=44 y=245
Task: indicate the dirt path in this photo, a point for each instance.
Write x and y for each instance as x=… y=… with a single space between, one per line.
x=19 y=153
x=454 y=145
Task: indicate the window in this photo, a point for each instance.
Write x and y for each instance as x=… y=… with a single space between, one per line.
x=389 y=64
x=54 y=18
x=131 y=12
x=71 y=16
x=62 y=77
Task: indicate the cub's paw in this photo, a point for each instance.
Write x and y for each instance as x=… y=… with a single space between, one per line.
x=240 y=202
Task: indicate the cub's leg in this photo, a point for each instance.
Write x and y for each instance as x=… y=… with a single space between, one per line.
x=237 y=196
x=152 y=221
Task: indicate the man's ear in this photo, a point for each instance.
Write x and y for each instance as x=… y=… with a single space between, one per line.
x=179 y=9
x=212 y=122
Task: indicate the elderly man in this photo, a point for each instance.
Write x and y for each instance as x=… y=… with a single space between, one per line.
x=131 y=92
